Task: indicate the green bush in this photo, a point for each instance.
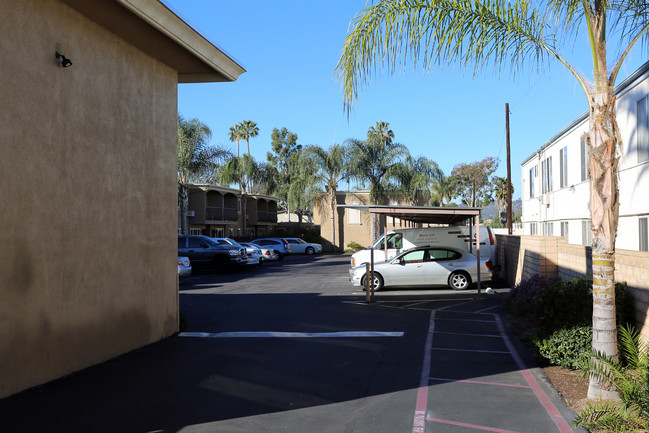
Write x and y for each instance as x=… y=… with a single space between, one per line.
x=555 y=304
x=567 y=347
x=354 y=246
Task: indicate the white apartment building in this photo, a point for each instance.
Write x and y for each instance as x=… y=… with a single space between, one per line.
x=555 y=186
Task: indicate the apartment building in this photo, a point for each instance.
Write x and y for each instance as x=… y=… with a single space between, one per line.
x=215 y=211
x=555 y=184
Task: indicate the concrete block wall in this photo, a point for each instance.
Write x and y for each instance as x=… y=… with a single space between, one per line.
x=521 y=257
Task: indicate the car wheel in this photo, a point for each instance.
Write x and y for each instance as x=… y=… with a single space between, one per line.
x=459 y=281
x=279 y=256
x=377 y=284
x=310 y=251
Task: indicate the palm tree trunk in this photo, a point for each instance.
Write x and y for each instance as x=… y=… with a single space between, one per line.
x=603 y=143
x=332 y=209
x=183 y=196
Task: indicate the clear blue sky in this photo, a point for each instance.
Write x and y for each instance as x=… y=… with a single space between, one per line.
x=290 y=49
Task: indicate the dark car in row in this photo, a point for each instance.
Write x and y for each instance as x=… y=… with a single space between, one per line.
x=205 y=252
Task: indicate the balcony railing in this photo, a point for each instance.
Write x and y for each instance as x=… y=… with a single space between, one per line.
x=219 y=214
x=266 y=217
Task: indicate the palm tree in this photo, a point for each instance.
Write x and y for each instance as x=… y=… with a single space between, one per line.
x=382 y=129
x=236 y=134
x=444 y=189
x=500 y=191
x=330 y=167
x=415 y=176
x=195 y=158
x=514 y=34
x=244 y=171
x=373 y=160
x=248 y=130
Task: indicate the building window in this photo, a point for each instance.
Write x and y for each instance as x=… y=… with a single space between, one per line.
x=194 y=231
x=534 y=172
x=586 y=234
x=643 y=130
x=548 y=228
x=563 y=167
x=532 y=229
x=644 y=240
x=353 y=216
x=546 y=175
x=564 y=230
x=584 y=157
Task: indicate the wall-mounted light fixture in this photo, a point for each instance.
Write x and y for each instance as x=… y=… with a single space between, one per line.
x=63 y=61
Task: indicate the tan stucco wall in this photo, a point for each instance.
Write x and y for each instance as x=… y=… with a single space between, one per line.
x=523 y=256
x=88 y=195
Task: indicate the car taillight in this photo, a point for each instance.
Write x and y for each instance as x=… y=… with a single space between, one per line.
x=180 y=263
x=491 y=239
x=489 y=264
x=267 y=253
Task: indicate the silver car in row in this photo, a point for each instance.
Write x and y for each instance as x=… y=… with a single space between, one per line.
x=425 y=266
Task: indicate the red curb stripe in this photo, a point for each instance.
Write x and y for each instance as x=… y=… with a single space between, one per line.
x=473 y=426
x=480 y=382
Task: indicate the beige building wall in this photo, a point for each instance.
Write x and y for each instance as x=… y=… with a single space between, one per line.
x=351 y=225
x=523 y=256
x=88 y=196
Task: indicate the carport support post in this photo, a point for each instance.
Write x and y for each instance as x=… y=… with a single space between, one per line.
x=367 y=283
x=371 y=274
x=477 y=247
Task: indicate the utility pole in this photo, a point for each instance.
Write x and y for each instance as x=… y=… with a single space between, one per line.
x=509 y=174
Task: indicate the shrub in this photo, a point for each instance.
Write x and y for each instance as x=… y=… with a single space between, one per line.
x=630 y=376
x=567 y=347
x=354 y=246
x=555 y=304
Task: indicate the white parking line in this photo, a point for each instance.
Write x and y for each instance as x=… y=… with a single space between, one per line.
x=347 y=334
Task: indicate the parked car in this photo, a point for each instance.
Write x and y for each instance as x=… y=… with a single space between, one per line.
x=299 y=246
x=267 y=255
x=253 y=255
x=203 y=251
x=278 y=245
x=425 y=266
x=184 y=267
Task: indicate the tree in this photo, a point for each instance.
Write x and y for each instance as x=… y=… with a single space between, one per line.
x=500 y=191
x=373 y=161
x=331 y=167
x=236 y=134
x=415 y=177
x=514 y=34
x=473 y=181
x=244 y=171
x=195 y=159
x=285 y=159
x=248 y=130
x=443 y=190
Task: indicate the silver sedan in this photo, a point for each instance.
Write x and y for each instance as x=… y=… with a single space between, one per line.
x=425 y=266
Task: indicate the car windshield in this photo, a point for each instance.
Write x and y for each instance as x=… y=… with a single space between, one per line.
x=209 y=241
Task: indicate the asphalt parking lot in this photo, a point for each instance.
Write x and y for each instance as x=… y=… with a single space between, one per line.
x=290 y=346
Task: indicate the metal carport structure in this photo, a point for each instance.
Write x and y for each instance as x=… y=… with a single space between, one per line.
x=424 y=215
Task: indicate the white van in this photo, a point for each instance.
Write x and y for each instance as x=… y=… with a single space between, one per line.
x=455 y=237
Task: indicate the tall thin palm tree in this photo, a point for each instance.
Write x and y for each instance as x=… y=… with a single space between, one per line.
x=331 y=167
x=244 y=171
x=195 y=158
x=514 y=34
x=373 y=161
x=382 y=129
x=249 y=130
x=236 y=134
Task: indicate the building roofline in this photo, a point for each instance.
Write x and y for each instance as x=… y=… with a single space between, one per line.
x=155 y=29
x=620 y=88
